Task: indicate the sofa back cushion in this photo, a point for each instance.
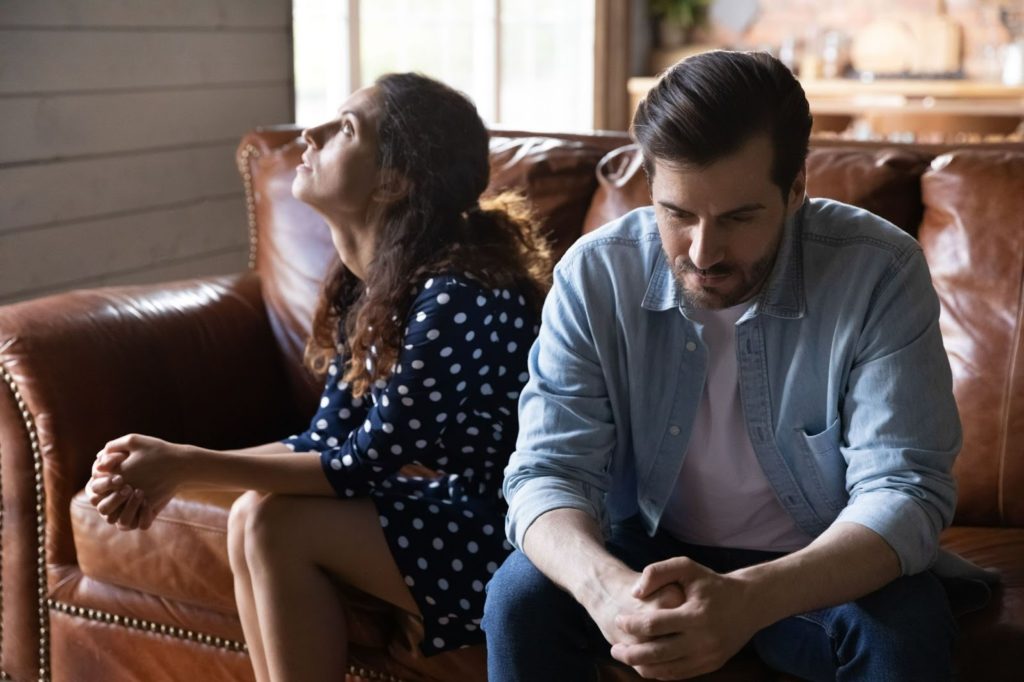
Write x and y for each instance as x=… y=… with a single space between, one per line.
x=884 y=181
x=973 y=237
x=621 y=187
x=556 y=174
x=292 y=249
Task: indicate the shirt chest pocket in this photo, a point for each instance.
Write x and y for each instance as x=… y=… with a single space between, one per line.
x=821 y=469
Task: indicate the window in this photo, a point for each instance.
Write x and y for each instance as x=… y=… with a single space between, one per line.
x=526 y=63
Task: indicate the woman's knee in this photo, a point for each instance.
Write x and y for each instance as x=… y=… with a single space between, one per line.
x=241 y=508
x=257 y=525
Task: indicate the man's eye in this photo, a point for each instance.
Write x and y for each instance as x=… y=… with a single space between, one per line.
x=742 y=218
x=347 y=128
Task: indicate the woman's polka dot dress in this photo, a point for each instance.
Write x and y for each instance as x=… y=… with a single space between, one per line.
x=450 y=405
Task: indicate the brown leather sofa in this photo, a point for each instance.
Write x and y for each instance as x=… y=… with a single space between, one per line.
x=216 y=362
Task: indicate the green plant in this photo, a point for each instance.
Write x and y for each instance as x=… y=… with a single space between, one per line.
x=684 y=13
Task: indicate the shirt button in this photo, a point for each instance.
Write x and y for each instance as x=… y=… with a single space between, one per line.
x=691 y=346
x=674 y=430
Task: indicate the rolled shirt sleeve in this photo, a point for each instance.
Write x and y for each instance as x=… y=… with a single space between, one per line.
x=567 y=434
x=902 y=428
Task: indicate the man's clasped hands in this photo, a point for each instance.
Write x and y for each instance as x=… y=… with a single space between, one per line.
x=676 y=620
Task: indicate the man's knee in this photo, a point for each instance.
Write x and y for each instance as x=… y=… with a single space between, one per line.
x=912 y=611
x=520 y=596
x=906 y=628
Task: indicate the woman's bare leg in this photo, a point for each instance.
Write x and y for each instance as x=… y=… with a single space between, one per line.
x=244 y=598
x=293 y=546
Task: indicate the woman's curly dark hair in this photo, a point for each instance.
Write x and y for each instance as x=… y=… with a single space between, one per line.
x=431 y=138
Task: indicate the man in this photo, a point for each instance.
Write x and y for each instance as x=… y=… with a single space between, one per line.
x=739 y=425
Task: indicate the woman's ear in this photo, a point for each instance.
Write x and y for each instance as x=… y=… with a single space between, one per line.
x=391 y=187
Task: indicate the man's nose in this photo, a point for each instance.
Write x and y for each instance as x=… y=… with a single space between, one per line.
x=706 y=249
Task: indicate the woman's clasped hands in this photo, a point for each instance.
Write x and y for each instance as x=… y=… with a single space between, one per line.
x=133 y=478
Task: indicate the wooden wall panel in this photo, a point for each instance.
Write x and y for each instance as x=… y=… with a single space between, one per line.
x=93 y=188
x=52 y=128
x=120 y=122
x=30 y=261
x=136 y=14
x=123 y=60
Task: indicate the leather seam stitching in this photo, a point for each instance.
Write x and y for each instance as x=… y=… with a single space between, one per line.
x=249 y=152
x=143 y=625
x=151 y=627
x=40 y=498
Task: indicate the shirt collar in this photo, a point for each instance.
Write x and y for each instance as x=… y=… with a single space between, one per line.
x=782 y=296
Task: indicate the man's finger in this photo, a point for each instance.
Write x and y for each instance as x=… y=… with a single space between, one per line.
x=648 y=625
x=653 y=652
x=658 y=575
x=680 y=669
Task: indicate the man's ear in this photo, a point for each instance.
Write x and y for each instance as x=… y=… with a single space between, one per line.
x=798 y=190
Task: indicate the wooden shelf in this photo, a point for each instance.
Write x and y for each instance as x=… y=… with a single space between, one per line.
x=916 y=106
x=910 y=88
x=838 y=96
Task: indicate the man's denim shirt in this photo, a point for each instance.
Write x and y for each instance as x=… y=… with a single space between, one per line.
x=844 y=382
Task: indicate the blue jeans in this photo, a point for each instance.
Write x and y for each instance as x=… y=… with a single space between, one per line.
x=904 y=631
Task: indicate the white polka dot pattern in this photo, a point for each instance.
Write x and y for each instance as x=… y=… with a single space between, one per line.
x=451 y=395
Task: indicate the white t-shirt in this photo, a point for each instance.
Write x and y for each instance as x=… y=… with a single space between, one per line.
x=722 y=497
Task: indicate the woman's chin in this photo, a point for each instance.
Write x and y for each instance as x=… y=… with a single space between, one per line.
x=298 y=188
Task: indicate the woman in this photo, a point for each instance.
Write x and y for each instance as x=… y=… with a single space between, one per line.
x=422 y=332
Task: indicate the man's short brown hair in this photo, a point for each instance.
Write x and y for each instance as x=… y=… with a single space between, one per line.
x=708 y=105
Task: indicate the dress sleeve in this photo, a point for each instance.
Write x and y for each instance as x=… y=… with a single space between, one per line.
x=339 y=413
x=412 y=410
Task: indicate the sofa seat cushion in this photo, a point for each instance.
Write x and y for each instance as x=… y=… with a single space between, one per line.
x=991 y=641
x=183 y=557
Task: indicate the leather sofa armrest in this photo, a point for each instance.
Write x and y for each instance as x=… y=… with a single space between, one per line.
x=192 y=361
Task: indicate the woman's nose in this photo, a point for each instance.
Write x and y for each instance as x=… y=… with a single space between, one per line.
x=313 y=136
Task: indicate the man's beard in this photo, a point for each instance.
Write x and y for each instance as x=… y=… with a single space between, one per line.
x=751 y=279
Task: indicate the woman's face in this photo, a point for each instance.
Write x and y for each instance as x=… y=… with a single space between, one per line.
x=339 y=172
